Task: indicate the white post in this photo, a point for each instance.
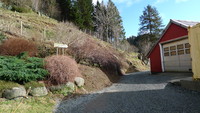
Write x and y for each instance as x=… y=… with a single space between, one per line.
x=63 y=51
x=44 y=32
x=21 y=27
x=162 y=59
x=57 y=51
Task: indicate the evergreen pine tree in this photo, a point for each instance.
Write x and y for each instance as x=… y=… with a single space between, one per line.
x=86 y=9
x=100 y=21
x=150 y=22
x=65 y=8
x=116 y=29
x=76 y=14
x=149 y=31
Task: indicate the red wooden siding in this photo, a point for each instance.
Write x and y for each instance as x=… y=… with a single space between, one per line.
x=174 y=31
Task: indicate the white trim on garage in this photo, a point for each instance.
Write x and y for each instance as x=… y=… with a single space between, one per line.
x=162 y=59
x=150 y=65
x=176 y=39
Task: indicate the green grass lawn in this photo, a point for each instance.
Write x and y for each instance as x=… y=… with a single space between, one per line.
x=44 y=104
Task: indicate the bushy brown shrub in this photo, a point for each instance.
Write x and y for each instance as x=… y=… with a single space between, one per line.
x=15 y=46
x=45 y=49
x=95 y=52
x=62 y=69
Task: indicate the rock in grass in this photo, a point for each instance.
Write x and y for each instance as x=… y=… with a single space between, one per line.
x=71 y=86
x=38 y=91
x=14 y=92
x=56 y=88
x=79 y=81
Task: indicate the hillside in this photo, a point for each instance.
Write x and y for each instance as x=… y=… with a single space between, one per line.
x=45 y=31
x=99 y=63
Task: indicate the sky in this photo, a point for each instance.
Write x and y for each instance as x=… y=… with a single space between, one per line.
x=131 y=10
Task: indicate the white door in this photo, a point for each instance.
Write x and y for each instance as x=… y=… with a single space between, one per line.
x=177 y=56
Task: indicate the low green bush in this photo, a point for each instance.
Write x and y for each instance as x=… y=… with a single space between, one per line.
x=21 y=70
x=21 y=9
x=61 y=89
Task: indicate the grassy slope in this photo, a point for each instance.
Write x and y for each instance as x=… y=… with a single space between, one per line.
x=40 y=28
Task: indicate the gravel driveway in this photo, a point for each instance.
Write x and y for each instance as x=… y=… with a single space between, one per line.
x=137 y=93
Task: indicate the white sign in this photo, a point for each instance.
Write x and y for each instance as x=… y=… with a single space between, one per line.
x=60 y=45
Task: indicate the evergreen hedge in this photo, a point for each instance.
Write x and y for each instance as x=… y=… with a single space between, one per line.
x=21 y=69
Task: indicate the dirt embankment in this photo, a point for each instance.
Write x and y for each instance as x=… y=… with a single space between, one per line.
x=95 y=78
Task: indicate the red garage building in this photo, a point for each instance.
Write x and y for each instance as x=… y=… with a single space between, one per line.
x=172 y=51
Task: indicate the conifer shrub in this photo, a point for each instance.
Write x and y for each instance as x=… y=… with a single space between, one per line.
x=62 y=69
x=21 y=70
x=15 y=46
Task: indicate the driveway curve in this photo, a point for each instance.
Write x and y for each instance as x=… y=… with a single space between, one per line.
x=137 y=93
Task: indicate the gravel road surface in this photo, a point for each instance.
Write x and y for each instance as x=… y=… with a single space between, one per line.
x=137 y=93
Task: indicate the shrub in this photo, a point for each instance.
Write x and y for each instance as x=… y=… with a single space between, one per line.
x=21 y=9
x=62 y=69
x=2 y=37
x=45 y=49
x=64 y=91
x=97 y=53
x=21 y=70
x=15 y=46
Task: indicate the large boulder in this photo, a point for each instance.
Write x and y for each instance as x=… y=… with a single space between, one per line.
x=79 y=81
x=14 y=92
x=39 y=91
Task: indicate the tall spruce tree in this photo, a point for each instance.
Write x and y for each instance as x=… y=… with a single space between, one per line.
x=76 y=14
x=150 y=29
x=86 y=9
x=66 y=9
x=98 y=19
x=150 y=22
x=108 y=22
x=82 y=14
x=116 y=30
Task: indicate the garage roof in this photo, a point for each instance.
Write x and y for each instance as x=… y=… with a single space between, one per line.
x=182 y=23
x=185 y=23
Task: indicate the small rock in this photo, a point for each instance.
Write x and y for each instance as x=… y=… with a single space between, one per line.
x=79 y=81
x=39 y=91
x=71 y=86
x=56 y=88
x=14 y=93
